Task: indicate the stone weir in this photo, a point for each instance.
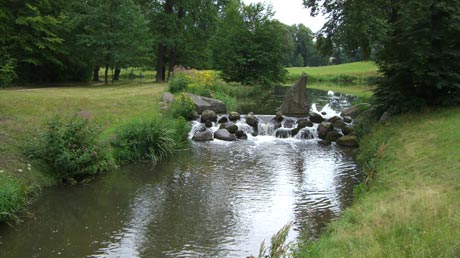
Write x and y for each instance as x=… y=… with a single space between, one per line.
x=324 y=128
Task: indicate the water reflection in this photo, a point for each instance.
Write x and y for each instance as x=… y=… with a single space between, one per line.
x=217 y=199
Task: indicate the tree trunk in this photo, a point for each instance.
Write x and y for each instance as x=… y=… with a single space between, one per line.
x=96 y=73
x=172 y=62
x=161 y=63
x=116 y=76
x=106 y=75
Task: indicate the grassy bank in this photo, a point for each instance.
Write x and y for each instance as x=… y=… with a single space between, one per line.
x=411 y=209
x=24 y=111
x=351 y=73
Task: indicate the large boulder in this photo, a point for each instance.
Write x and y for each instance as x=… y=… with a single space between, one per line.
x=203 y=103
x=355 y=110
x=224 y=135
x=296 y=101
x=289 y=123
x=241 y=135
x=340 y=124
x=168 y=97
x=324 y=128
x=348 y=141
x=231 y=127
x=202 y=136
x=208 y=115
x=315 y=117
x=278 y=117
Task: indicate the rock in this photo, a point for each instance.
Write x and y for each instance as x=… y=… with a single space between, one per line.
x=315 y=117
x=347 y=130
x=333 y=119
x=203 y=103
x=195 y=115
x=296 y=101
x=241 y=135
x=305 y=134
x=202 y=136
x=323 y=113
x=283 y=133
x=387 y=116
x=234 y=116
x=332 y=136
x=224 y=135
x=295 y=131
x=252 y=120
x=339 y=124
x=279 y=117
x=324 y=128
x=348 y=141
x=276 y=124
x=355 y=110
x=302 y=123
x=168 y=97
x=289 y=123
x=347 y=119
x=223 y=120
x=324 y=142
x=208 y=115
x=208 y=124
x=231 y=127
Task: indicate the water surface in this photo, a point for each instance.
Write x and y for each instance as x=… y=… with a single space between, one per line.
x=215 y=199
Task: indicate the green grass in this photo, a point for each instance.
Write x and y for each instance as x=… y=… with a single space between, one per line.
x=25 y=110
x=412 y=208
x=351 y=73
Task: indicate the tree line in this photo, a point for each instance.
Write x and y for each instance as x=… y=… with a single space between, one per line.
x=70 y=40
x=415 y=43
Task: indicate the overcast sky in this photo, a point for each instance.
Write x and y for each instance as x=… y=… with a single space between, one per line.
x=292 y=12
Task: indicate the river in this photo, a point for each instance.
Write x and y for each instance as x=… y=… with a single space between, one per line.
x=214 y=199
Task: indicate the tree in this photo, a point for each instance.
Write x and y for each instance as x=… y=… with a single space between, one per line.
x=416 y=45
x=115 y=32
x=182 y=29
x=248 y=45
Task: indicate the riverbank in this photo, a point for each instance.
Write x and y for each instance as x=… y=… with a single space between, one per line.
x=25 y=110
x=411 y=208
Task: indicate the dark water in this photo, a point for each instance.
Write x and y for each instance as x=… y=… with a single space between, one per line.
x=216 y=199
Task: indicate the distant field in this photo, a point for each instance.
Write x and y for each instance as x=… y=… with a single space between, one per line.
x=352 y=73
x=357 y=68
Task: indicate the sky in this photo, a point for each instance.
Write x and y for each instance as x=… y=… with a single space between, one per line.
x=292 y=12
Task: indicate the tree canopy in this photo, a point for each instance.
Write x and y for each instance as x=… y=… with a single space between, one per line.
x=416 y=45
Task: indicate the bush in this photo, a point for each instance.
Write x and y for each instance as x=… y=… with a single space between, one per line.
x=71 y=149
x=151 y=139
x=183 y=106
x=178 y=83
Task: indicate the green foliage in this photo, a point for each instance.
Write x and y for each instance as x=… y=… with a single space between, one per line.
x=278 y=247
x=178 y=83
x=71 y=149
x=183 y=106
x=248 y=45
x=414 y=43
x=12 y=198
x=7 y=68
x=151 y=139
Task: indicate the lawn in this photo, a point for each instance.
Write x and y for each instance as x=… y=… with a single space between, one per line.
x=24 y=111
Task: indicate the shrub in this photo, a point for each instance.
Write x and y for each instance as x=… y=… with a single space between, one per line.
x=151 y=139
x=183 y=106
x=70 y=147
x=178 y=83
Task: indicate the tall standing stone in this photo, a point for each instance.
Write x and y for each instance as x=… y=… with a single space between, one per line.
x=296 y=101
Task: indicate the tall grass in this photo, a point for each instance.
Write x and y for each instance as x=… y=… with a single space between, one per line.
x=148 y=139
x=12 y=198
